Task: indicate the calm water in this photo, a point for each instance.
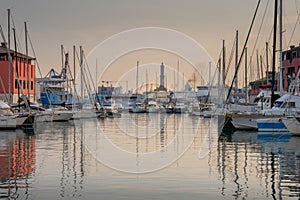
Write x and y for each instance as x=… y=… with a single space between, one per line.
x=183 y=156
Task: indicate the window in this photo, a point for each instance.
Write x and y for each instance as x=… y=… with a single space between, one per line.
x=24 y=84
x=24 y=69
x=31 y=85
x=32 y=74
x=16 y=84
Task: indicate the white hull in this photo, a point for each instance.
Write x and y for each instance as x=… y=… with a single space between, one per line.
x=244 y=123
x=8 y=122
x=62 y=115
x=84 y=114
x=11 y=121
x=292 y=124
x=43 y=117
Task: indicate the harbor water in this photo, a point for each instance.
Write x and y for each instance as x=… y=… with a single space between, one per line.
x=150 y=156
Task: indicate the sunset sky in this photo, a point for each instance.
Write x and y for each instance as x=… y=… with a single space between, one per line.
x=88 y=23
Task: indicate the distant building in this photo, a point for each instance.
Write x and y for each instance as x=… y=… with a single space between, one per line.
x=27 y=84
x=290 y=65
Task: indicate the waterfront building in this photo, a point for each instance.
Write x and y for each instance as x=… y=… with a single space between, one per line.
x=18 y=71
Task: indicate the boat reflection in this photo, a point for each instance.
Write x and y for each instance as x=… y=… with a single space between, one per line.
x=275 y=164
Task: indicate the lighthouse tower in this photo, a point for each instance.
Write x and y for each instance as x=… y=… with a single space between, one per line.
x=162 y=76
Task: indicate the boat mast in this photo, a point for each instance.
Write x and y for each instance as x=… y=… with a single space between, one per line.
x=62 y=55
x=81 y=73
x=137 y=76
x=236 y=56
x=17 y=70
x=267 y=61
x=280 y=49
x=9 y=67
x=246 y=78
x=274 y=53
x=223 y=67
x=27 y=75
x=209 y=73
x=74 y=64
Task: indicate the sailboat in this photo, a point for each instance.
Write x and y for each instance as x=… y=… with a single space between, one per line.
x=139 y=107
x=9 y=120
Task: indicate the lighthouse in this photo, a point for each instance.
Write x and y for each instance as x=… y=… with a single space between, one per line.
x=162 y=76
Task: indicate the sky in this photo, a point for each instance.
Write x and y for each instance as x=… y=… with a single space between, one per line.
x=90 y=22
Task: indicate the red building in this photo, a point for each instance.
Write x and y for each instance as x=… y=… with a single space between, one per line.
x=26 y=77
x=290 y=65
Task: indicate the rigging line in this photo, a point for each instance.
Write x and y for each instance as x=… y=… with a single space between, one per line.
x=295 y=26
x=260 y=27
x=88 y=69
x=247 y=38
x=34 y=54
x=18 y=41
x=230 y=58
x=85 y=85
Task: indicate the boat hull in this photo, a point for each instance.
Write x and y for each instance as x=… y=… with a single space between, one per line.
x=292 y=124
x=271 y=125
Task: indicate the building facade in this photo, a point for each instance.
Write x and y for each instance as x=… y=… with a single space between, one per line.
x=290 y=65
x=15 y=77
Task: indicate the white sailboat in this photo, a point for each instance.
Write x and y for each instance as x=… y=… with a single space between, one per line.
x=9 y=120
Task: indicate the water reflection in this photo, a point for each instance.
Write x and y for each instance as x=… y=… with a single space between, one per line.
x=17 y=163
x=60 y=161
x=270 y=168
x=61 y=144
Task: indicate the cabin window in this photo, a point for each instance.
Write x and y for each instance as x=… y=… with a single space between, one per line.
x=59 y=97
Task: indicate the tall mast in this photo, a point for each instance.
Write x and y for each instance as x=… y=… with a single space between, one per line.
x=267 y=61
x=62 y=56
x=147 y=85
x=257 y=64
x=274 y=52
x=27 y=69
x=261 y=70
x=280 y=49
x=9 y=67
x=17 y=70
x=223 y=66
x=236 y=57
x=81 y=73
x=209 y=73
x=246 y=79
x=74 y=64
x=177 y=75
x=137 y=76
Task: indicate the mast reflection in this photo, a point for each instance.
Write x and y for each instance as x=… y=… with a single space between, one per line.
x=274 y=166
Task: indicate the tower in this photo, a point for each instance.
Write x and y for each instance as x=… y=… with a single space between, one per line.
x=162 y=76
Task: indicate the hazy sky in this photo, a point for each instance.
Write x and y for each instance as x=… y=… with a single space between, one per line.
x=89 y=22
